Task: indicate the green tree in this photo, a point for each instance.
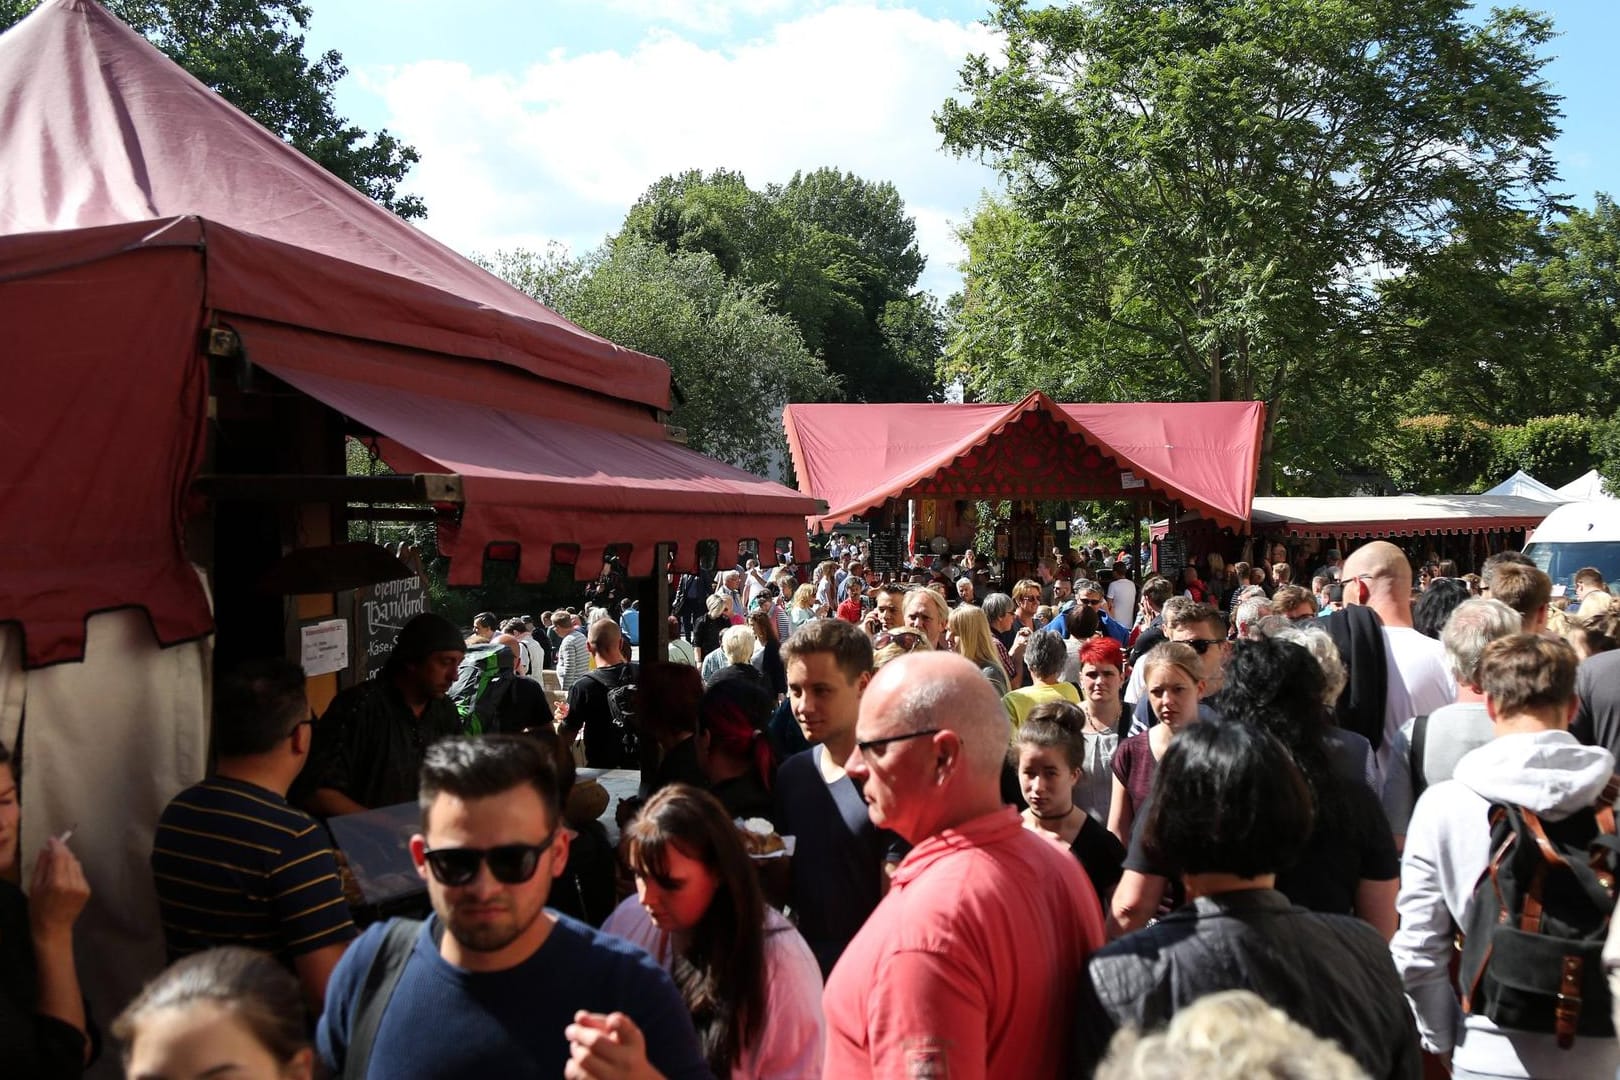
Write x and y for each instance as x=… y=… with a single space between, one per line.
x=835 y=253
x=252 y=53
x=734 y=361
x=1209 y=188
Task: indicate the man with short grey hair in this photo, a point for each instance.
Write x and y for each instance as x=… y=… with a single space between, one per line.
x=941 y=980
x=1427 y=748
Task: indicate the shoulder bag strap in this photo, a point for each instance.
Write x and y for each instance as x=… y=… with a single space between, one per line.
x=398 y=942
x=1420 y=739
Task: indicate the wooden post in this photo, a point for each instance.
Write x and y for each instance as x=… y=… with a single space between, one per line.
x=653 y=595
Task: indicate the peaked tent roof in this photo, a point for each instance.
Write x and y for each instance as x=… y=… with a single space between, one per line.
x=100 y=128
x=1585 y=488
x=137 y=209
x=1526 y=486
x=1203 y=455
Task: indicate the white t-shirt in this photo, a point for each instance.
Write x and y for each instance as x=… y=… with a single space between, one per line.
x=1419 y=683
x=1122 y=600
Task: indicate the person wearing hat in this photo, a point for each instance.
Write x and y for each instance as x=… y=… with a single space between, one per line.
x=370 y=743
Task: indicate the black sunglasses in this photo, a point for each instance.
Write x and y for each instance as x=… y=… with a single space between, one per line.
x=910 y=640
x=1201 y=645
x=509 y=864
x=870 y=745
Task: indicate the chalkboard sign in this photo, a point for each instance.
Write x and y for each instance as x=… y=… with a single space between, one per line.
x=886 y=552
x=1172 y=555
x=379 y=612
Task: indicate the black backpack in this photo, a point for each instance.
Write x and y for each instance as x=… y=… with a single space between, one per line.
x=1535 y=928
x=621 y=702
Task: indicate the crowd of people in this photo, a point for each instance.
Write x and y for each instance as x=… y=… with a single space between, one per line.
x=1090 y=821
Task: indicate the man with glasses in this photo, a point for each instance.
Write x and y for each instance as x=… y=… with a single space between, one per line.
x=232 y=862
x=946 y=978
x=493 y=984
x=1089 y=594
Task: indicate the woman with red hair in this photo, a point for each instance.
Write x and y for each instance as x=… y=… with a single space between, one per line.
x=1102 y=667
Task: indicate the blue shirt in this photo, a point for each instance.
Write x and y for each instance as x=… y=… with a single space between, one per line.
x=630 y=626
x=444 y=1021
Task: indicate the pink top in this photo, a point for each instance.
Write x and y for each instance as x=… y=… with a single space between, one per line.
x=969 y=966
x=789 y=1044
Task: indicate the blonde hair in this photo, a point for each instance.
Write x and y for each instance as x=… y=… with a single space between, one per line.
x=1177 y=654
x=804 y=597
x=738 y=644
x=1027 y=585
x=971 y=629
x=1232 y=1035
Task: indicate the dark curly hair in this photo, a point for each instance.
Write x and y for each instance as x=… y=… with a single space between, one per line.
x=1276 y=685
x=1435 y=606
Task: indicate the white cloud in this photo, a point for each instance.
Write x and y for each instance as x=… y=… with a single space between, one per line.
x=561 y=150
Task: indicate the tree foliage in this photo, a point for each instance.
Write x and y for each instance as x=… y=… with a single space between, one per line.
x=734 y=361
x=252 y=53
x=1204 y=192
x=833 y=252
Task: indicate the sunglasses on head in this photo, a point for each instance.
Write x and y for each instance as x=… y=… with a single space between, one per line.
x=909 y=640
x=1201 y=645
x=509 y=864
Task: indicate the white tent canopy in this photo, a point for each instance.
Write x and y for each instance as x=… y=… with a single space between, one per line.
x=1523 y=485
x=1587 y=488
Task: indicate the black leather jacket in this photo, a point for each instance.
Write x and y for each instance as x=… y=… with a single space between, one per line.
x=1330 y=973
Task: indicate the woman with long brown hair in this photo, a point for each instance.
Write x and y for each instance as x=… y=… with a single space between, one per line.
x=749 y=978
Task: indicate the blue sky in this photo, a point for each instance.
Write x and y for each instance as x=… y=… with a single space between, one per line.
x=542 y=120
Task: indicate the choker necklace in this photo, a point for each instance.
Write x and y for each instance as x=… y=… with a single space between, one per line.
x=1054 y=817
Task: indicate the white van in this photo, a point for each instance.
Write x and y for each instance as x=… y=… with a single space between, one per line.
x=1576 y=535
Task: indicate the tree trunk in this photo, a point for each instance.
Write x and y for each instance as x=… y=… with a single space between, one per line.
x=1264 y=483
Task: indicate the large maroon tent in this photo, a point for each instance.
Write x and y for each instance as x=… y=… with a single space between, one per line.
x=138 y=209
x=1200 y=455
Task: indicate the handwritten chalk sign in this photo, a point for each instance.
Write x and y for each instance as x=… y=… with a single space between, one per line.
x=379 y=611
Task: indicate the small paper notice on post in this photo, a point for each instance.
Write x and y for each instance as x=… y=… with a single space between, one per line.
x=325 y=647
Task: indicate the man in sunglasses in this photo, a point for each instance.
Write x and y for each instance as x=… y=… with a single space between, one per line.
x=946 y=977
x=493 y=984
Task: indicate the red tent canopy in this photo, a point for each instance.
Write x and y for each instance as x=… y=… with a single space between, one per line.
x=137 y=207
x=1202 y=455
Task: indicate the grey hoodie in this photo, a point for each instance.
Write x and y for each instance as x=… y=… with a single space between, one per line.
x=1447 y=849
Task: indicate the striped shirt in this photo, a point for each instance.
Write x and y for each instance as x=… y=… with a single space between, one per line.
x=573 y=659
x=234 y=864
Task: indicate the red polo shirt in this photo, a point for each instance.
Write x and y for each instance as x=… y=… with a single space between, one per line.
x=969 y=967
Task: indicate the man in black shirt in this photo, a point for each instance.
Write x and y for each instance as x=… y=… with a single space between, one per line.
x=588 y=705
x=371 y=741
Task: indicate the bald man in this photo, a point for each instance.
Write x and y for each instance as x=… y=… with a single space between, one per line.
x=1378 y=576
x=964 y=966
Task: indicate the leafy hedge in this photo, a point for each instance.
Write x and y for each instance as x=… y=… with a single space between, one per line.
x=1438 y=454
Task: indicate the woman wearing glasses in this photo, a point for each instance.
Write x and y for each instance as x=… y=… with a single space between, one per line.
x=750 y=980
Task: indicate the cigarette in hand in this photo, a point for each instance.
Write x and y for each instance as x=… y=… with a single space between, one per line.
x=65 y=837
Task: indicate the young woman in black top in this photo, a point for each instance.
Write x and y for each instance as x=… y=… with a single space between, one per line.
x=1051 y=752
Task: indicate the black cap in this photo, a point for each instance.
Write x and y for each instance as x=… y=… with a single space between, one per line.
x=425 y=634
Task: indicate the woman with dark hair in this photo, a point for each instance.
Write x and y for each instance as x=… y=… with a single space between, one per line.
x=44 y=1029
x=667 y=697
x=226 y=1011
x=749 y=978
x=768 y=656
x=1436 y=604
x=1232 y=809
x=1051 y=753
x=1349 y=865
x=735 y=756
